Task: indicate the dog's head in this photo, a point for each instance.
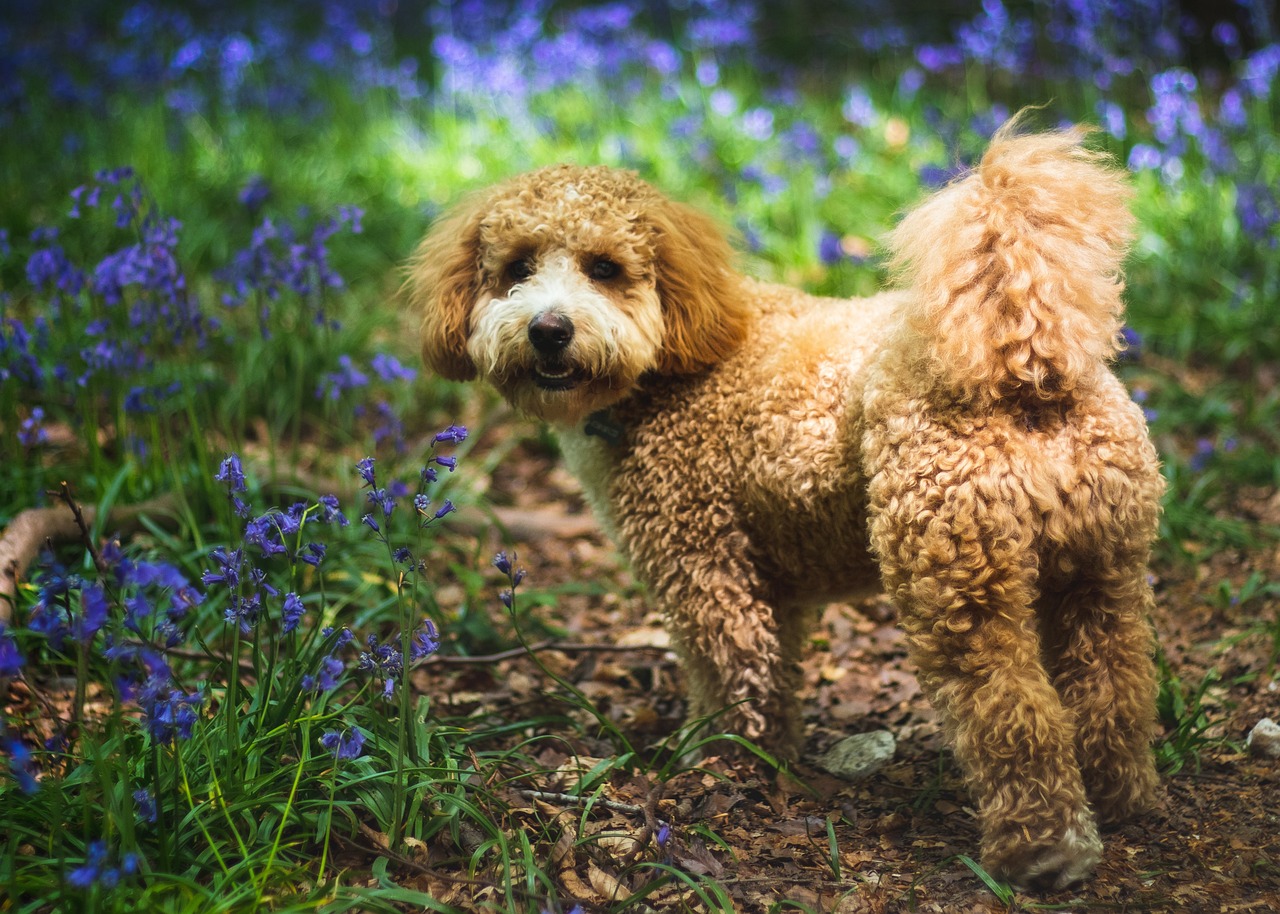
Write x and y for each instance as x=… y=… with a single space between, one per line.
x=565 y=286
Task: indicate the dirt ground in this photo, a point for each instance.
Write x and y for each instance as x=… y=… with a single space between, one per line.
x=896 y=839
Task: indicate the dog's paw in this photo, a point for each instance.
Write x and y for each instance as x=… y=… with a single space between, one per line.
x=1050 y=865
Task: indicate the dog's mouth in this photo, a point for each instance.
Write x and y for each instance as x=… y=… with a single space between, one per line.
x=557 y=377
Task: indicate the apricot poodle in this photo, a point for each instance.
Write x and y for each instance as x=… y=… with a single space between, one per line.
x=756 y=452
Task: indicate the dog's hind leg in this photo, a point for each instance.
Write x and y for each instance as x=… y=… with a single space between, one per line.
x=964 y=577
x=1098 y=643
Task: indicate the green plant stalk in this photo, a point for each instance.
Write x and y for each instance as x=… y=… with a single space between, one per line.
x=219 y=800
x=284 y=821
x=402 y=749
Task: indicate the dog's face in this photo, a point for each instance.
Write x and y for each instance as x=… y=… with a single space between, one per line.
x=564 y=287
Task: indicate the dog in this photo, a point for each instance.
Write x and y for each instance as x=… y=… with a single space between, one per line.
x=756 y=452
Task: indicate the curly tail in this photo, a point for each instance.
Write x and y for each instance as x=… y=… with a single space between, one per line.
x=1015 y=269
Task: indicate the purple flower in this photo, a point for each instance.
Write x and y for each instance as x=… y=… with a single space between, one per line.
x=388 y=368
x=425 y=641
x=330 y=511
x=1202 y=455
x=265 y=533
x=255 y=193
x=96 y=871
x=231 y=474
x=1258 y=209
x=20 y=766
x=326 y=678
x=454 y=434
x=293 y=612
x=93 y=613
x=830 y=250
x=11 y=659
x=31 y=432
x=173 y=715
x=146 y=804
x=447 y=508
x=344 y=746
x=228 y=572
x=365 y=469
x=348 y=377
x=312 y=554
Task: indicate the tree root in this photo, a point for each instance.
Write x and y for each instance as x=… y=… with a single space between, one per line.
x=32 y=529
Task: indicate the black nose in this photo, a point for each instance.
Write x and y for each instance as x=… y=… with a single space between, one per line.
x=550 y=333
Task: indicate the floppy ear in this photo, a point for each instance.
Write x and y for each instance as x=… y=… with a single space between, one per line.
x=703 y=304
x=443 y=283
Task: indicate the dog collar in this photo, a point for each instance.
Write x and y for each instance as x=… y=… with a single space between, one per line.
x=602 y=424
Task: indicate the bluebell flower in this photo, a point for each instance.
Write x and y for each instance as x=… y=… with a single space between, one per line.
x=20 y=765
x=403 y=556
x=371 y=523
x=11 y=659
x=1144 y=157
x=757 y=124
x=388 y=368
x=1132 y=341
x=94 y=609
x=265 y=532
x=173 y=715
x=344 y=746
x=244 y=611
x=146 y=805
x=380 y=498
x=96 y=871
x=365 y=469
x=231 y=474
x=312 y=554
x=229 y=565
x=1257 y=209
x=425 y=641
x=85 y=875
x=1202 y=455
x=31 y=431
x=331 y=512
x=326 y=677
x=830 y=250
x=858 y=109
x=454 y=434
x=292 y=612
x=255 y=193
x=347 y=377
x=447 y=508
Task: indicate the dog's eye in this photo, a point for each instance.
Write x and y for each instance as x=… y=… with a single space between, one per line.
x=604 y=268
x=520 y=269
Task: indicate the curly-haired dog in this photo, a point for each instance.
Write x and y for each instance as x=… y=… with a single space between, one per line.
x=757 y=452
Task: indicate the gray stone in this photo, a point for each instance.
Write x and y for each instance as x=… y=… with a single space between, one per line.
x=1264 y=738
x=858 y=756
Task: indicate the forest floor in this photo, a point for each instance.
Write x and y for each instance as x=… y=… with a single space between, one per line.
x=896 y=839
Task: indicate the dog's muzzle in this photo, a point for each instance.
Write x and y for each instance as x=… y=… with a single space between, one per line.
x=550 y=335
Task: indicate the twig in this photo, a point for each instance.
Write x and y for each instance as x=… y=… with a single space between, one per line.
x=573 y=799
x=86 y=537
x=564 y=647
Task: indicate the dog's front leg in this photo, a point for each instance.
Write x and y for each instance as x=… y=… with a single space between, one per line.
x=735 y=652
